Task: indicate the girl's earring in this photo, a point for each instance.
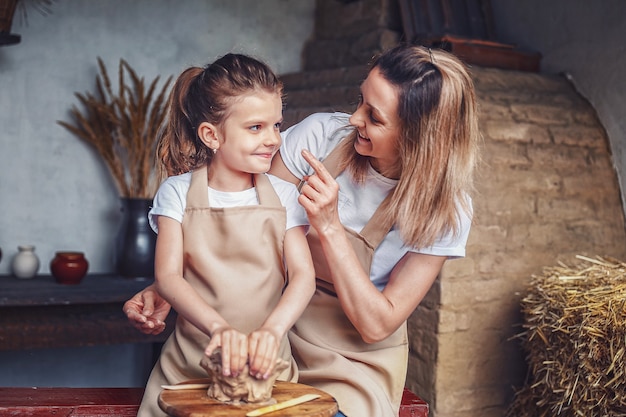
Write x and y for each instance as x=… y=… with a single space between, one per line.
x=214 y=151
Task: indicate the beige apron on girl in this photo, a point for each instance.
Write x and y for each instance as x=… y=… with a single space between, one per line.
x=233 y=257
x=367 y=380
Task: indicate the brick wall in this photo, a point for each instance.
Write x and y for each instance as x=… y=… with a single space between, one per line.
x=547 y=190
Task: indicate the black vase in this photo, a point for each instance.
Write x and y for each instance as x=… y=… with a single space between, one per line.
x=136 y=241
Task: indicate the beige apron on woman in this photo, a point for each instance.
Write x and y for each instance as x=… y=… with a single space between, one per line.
x=233 y=257
x=367 y=380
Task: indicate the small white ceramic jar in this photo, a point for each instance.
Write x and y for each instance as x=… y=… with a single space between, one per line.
x=25 y=263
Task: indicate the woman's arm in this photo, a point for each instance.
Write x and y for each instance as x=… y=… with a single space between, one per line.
x=265 y=341
x=279 y=169
x=184 y=298
x=374 y=314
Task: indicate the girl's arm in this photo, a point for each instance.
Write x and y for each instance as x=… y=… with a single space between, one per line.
x=375 y=314
x=265 y=341
x=187 y=302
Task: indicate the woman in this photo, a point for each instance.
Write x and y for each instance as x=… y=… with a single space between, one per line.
x=387 y=208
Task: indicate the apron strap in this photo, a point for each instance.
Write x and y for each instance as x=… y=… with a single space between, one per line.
x=332 y=160
x=197 y=196
x=380 y=223
x=265 y=192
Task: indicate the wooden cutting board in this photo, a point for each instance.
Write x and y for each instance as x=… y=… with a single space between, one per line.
x=196 y=403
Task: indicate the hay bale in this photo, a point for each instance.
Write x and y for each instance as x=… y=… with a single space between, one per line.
x=575 y=341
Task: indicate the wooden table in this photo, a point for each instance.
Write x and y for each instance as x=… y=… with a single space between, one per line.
x=69 y=402
x=196 y=403
x=40 y=313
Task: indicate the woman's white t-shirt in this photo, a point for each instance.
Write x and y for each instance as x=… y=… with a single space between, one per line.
x=320 y=133
x=171 y=200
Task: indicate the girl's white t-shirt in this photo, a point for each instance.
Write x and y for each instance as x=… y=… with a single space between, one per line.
x=320 y=133
x=171 y=200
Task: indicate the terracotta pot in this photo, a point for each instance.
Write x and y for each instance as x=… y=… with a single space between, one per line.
x=69 y=267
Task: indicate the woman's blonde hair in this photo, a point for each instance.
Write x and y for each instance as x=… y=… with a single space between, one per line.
x=438 y=147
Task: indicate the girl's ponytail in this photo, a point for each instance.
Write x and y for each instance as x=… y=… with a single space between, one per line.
x=180 y=150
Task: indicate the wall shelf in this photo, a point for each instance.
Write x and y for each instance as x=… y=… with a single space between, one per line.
x=39 y=313
x=7 y=39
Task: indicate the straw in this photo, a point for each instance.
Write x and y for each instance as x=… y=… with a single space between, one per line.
x=575 y=341
x=123 y=128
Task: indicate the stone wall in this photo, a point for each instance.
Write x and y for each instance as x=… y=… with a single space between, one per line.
x=547 y=190
x=349 y=32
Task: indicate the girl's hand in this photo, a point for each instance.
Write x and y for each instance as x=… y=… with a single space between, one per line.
x=263 y=345
x=319 y=195
x=234 y=346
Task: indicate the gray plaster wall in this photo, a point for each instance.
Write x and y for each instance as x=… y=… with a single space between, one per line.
x=55 y=192
x=584 y=40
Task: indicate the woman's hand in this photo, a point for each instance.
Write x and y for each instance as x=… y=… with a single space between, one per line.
x=234 y=347
x=319 y=196
x=263 y=347
x=147 y=311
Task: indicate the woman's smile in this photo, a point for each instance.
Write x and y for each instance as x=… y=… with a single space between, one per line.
x=362 y=138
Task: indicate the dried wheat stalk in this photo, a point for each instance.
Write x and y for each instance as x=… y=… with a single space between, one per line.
x=123 y=128
x=575 y=341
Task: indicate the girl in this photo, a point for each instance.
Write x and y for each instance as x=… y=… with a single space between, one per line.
x=227 y=232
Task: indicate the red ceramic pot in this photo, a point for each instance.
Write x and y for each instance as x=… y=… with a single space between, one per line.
x=69 y=267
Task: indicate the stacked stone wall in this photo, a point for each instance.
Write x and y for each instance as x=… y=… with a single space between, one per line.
x=547 y=190
x=349 y=33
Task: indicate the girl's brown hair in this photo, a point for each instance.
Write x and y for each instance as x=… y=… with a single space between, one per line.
x=439 y=141
x=204 y=95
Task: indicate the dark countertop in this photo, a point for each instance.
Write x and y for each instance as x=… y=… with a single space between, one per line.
x=40 y=313
x=43 y=290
